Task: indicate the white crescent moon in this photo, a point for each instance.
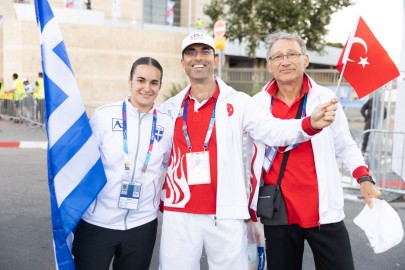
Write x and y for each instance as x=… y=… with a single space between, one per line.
x=362 y=42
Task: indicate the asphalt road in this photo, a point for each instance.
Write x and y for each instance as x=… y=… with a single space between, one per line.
x=25 y=225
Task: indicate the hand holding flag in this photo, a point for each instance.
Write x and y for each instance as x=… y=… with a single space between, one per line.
x=364 y=63
x=75 y=171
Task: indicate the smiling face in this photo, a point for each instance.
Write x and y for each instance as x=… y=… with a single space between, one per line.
x=145 y=84
x=199 y=62
x=287 y=70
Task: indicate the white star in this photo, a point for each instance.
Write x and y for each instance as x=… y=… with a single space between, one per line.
x=363 y=61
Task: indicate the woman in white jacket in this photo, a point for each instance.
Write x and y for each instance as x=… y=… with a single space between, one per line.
x=134 y=139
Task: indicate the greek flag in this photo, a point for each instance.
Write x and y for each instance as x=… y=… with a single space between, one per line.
x=75 y=171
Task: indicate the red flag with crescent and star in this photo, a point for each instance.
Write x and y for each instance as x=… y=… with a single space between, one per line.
x=364 y=63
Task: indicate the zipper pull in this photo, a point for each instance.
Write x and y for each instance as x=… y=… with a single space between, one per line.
x=215 y=220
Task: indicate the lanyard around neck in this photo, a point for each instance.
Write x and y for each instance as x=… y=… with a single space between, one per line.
x=125 y=140
x=209 y=131
x=302 y=106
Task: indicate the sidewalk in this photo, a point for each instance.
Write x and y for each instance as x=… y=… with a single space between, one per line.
x=21 y=135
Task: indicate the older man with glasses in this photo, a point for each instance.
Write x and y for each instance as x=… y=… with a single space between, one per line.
x=311 y=181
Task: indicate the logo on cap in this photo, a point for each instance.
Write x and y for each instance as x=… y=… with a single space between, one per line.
x=197 y=36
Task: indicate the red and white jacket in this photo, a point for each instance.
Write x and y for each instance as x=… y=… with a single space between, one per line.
x=235 y=115
x=332 y=141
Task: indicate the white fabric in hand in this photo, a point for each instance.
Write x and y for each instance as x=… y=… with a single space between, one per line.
x=381 y=224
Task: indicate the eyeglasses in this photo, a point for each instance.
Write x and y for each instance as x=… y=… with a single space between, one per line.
x=194 y=52
x=280 y=57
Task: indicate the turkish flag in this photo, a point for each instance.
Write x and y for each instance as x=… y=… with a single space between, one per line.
x=368 y=65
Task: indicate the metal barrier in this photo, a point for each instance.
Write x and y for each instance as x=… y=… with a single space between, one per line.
x=29 y=110
x=386 y=159
x=26 y=110
x=7 y=108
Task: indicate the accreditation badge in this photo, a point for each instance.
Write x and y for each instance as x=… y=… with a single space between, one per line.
x=198 y=168
x=129 y=195
x=269 y=156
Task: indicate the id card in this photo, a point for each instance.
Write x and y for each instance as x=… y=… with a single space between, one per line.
x=129 y=196
x=269 y=156
x=198 y=168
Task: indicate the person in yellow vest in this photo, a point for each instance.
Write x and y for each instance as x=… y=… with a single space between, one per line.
x=39 y=96
x=199 y=24
x=2 y=98
x=4 y=95
x=6 y=100
x=19 y=94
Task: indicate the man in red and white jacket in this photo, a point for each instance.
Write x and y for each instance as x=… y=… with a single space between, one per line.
x=311 y=183
x=205 y=195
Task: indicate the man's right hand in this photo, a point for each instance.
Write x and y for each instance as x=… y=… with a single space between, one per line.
x=324 y=114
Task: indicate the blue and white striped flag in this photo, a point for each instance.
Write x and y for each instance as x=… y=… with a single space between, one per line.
x=75 y=171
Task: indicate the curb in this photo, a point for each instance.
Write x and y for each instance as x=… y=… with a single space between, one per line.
x=24 y=144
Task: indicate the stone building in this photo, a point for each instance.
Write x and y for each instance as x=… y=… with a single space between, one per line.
x=103 y=38
x=102 y=42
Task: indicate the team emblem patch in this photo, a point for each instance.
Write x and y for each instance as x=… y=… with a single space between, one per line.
x=180 y=112
x=229 y=108
x=116 y=124
x=159 y=133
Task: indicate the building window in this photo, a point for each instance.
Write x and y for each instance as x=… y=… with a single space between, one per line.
x=154 y=11
x=177 y=12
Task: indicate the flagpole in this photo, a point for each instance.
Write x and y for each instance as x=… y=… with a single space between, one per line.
x=340 y=80
x=346 y=54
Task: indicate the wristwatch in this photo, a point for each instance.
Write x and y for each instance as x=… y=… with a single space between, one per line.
x=366 y=178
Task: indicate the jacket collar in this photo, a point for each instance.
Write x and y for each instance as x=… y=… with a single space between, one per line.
x=224 y=90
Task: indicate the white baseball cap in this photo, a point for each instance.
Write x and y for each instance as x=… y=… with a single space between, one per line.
x=24 y=80
x=198 y=37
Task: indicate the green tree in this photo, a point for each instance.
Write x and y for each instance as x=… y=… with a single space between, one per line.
x=253 y=20
x=335 y=44
x=174 y=90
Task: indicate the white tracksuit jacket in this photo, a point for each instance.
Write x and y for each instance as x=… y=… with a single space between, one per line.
x=106 y=124
x=332 y=141
x=233 y=191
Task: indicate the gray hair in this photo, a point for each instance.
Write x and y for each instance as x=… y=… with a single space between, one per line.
x=274 y=37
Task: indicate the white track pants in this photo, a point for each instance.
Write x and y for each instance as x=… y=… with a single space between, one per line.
x=185 y=235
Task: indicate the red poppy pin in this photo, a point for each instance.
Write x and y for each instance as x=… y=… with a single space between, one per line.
x=229 y=107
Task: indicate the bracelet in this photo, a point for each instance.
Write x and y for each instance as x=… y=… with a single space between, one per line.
x=366 y=178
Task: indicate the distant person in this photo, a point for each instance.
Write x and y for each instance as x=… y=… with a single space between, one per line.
x=18 y=95
x=88 y=4
x=39 y=97
x=366 y=111
x=134 y=138
x=199 y=24
x=2 y=98
x=311 y=183
x=6 y=100
x=29 y=104
x=28 y=87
